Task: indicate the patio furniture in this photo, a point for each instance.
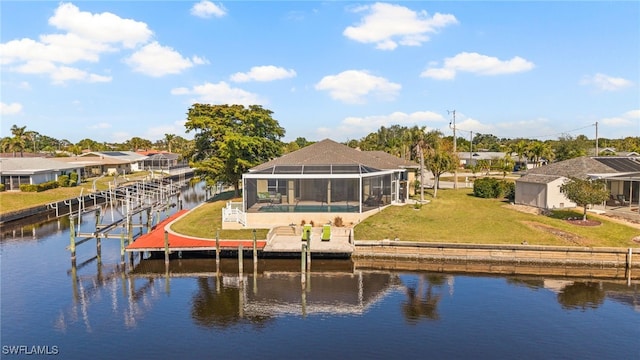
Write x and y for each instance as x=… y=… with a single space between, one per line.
x=326 y=232
x=623 y=200
x=373 y=200
x=306 y=232
x=265 y=197
x=612 y=201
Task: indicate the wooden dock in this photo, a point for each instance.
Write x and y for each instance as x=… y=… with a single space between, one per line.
x=281 y=241
x=155 y=240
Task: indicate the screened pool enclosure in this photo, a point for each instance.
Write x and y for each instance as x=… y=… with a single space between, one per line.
x=320 y=188
x=326 y=177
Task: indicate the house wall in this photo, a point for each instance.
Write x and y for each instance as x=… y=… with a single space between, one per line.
x=531 y=194
x=555 y=198
x=269 y=220
x=43 y=177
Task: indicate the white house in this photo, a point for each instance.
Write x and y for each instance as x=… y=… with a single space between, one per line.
x=33 y=171
x=540 y=187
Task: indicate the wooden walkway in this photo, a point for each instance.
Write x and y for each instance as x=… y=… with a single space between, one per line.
x=155 y=240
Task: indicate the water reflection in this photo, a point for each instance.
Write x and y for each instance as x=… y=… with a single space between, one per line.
x=225 y=299
x=423 y=297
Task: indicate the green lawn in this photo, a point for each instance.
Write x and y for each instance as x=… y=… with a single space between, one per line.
x=17 y=200
x=206 y=220
x=454 y=217
x=458 y=217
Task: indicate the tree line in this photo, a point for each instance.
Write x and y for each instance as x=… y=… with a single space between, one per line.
x=230 y=139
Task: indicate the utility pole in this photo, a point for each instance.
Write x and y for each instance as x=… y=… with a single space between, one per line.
x=597 y=152
x=455 y=151
x=470 y=146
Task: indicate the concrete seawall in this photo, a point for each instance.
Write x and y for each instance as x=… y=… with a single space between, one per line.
x=497 y=254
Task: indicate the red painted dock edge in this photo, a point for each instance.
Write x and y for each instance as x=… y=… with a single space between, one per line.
x=155 y=240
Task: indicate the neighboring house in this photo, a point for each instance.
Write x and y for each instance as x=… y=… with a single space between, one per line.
x=121 y=162
x=608 y=151
x=18 y=171
x=322 y=181
x=163 y=161
x=540 y=187
x=468 y=159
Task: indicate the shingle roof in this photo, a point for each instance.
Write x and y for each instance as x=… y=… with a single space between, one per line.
x=579 y=167
x=329 y=152
x=538 y=178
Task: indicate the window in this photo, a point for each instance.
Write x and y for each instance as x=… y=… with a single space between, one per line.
x=277 y=186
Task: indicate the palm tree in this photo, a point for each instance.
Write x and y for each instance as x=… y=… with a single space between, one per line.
x=169 y=140
x=520 y=148
x=19 y=139
x=539 y=150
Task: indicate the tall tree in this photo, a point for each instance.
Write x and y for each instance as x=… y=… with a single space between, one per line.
x=168 y=138
x=585 y=192
x=540 y=150
x=231 y=139
x=568 y=147
x=18 y=143
x=520 y=148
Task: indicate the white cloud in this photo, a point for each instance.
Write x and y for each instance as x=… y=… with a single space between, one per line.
x=605 y=82
x=263 y=73
x=87 y=37
x=625 y=120
x=220 y=93
x=353 y=86
x=477 y=64
x=206 y=9
x=158 y=132
x=10 y=109
x=632 y=114
x=101 y=28
x=356 y=127
x=146 y=61
x=388 y=26
x=59 y=74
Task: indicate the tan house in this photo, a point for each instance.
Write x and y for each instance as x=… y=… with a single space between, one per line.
x=540 y=187
x=322 y=181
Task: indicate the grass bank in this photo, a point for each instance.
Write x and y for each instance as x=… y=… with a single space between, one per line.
x=206 y=220
x=17 y=200
x=456 y=216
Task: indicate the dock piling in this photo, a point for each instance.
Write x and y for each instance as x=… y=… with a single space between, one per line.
x=255 y=251
x=218 y=251
x=240 y=261
x=72 y=240
x=166 y=247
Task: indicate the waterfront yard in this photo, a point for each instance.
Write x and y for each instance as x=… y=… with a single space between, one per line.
x=454 y=217
x=18 y=200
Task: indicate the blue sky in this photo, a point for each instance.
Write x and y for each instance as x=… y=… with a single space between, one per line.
x=113 y=70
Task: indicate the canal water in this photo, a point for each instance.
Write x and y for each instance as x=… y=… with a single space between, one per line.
x=196 y=310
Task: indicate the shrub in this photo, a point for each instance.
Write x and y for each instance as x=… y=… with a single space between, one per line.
x=2 y=188
x=337 y=221
x=489 y=188
x=48 y=185
x=486 y=188
x=73 y=179
x=509 y=190
x=63 y=180
x=28 y=188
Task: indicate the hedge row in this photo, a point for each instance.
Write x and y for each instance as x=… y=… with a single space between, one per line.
x=39 y=187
